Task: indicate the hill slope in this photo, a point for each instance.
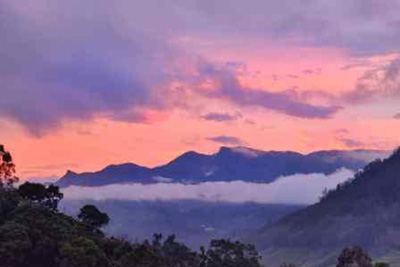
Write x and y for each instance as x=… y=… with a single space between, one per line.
x=228 y=164
x=127 y=172
x=363 y=212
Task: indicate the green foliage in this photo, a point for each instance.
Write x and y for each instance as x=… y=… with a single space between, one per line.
x=115 y=248
x=37 y=193
x=82 y=251
x=35 y=236
x=143 y=255
x=90 y=215
x=157 y=253
x=15 y=244
x=42 y=232
x=175 y=253
x=224 y=253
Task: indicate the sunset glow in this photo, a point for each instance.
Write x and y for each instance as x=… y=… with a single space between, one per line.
x=88 y=83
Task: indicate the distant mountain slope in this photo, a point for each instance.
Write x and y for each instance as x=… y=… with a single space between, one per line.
x=228 y=164
x=123 y=173
x=364 y=212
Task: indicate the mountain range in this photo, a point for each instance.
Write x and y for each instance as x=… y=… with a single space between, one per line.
x=363 y=211
x=228 y=164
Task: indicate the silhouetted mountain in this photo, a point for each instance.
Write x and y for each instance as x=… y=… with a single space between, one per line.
x=228 y=164
x=190 y=166
x=112 y=174
x=364 y=211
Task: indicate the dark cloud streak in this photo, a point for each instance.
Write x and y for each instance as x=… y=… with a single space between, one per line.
x=224 y=139
x=221 y=117
x=376 y=83
x=286 y=102
x=352 y=143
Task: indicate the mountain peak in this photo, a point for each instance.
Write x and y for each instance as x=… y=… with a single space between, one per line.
x=252 y=152
x=187 y=156
x=70 y=173
x=246 y=151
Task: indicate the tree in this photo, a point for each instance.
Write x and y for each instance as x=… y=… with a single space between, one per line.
x=7 y=169
x=81 y=252
x=178 y=254
x=116 y=248
x=9 y=199
x=224 y=253
x=53 y=197
x=142 y=255
x=37 y=193
x=90 y=215
x=354 y=257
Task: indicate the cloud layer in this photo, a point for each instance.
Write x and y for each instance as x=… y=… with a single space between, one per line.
x=295 y=189
x=65 y=60
x=77 y=60
x=377 y=82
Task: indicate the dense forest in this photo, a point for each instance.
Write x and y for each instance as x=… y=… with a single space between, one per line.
x=33 y=233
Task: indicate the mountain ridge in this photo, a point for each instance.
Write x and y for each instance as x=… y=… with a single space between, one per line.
x=228 y=164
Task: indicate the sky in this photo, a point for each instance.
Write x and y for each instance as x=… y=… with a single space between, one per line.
x=92 y=82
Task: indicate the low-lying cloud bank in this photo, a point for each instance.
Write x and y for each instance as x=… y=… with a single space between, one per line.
x=294 y=189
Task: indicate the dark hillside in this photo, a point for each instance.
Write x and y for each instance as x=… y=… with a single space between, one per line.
x=364 y=211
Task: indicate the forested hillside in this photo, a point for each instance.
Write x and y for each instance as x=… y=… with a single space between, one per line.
x=364 y=211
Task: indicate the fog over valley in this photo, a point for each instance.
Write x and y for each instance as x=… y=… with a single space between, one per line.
x=302 y=189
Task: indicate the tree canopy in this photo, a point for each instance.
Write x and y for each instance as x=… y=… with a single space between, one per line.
x=48 y=196
x=90 y=215
x=225 y=253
